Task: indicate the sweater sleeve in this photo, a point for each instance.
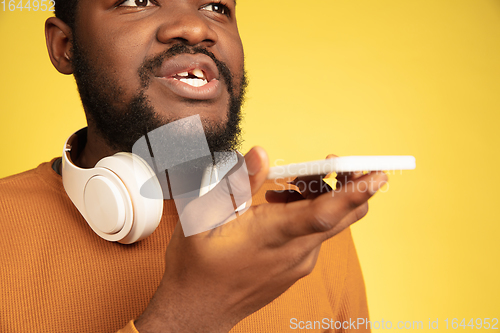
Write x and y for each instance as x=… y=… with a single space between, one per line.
x=353 y=303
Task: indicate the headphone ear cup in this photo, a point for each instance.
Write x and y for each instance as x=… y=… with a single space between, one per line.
x=133 y=172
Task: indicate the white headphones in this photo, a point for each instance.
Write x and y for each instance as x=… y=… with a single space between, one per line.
x=108 y=195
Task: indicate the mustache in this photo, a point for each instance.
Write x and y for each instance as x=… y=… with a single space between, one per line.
x=150 y=65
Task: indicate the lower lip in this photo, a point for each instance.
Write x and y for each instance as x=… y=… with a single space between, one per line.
x=210 y=90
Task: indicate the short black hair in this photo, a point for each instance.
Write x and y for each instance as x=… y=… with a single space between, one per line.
x=66 y=11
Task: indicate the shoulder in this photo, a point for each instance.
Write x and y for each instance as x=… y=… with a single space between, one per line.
x=43 y=176
x=30 y=188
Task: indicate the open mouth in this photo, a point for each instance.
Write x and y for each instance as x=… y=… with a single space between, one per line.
x=191 y=76
x=195 y=77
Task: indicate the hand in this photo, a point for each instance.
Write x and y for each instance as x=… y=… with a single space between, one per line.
x=214 y=279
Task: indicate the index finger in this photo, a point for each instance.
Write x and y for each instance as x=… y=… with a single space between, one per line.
x=323 y=214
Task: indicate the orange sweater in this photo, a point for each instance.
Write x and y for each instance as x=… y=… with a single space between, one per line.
x=57 y=275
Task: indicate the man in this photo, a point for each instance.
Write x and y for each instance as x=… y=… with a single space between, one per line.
x=138 y=65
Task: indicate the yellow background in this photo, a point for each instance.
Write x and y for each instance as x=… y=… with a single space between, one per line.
x=347 y=77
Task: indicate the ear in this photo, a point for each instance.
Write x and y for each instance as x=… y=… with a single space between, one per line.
x=58 y=36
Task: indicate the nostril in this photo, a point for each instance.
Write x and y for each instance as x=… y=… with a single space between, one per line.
x=180 y=39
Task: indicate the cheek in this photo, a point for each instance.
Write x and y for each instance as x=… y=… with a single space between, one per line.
x=231 y=49
x=238 y=54
x=123 y=54
x=234 y=58
x=115 y=51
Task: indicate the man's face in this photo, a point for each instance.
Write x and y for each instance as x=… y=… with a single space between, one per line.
x=140 y=64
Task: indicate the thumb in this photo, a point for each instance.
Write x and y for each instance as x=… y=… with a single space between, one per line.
x=257 y=163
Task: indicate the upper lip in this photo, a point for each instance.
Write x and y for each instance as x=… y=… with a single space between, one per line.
x=187 y=63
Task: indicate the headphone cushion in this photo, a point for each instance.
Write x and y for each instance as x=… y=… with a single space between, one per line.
x=133 y=171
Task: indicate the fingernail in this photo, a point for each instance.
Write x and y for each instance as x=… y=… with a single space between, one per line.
x=252 y=161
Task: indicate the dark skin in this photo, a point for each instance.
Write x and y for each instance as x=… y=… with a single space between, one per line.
x=265 y=250
x=120 y=38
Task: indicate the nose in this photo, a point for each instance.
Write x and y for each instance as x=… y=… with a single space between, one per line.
x=185 y=24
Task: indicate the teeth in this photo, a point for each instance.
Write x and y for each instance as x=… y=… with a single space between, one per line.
x=194 y=82
x=183 y=74
x=199 y=73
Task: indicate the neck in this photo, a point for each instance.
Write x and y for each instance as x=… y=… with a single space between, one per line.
x=95 y=149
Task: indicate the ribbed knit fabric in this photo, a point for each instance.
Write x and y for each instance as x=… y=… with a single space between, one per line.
x=57 y=275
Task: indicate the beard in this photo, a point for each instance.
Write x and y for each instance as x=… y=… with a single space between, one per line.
x=122 y=123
